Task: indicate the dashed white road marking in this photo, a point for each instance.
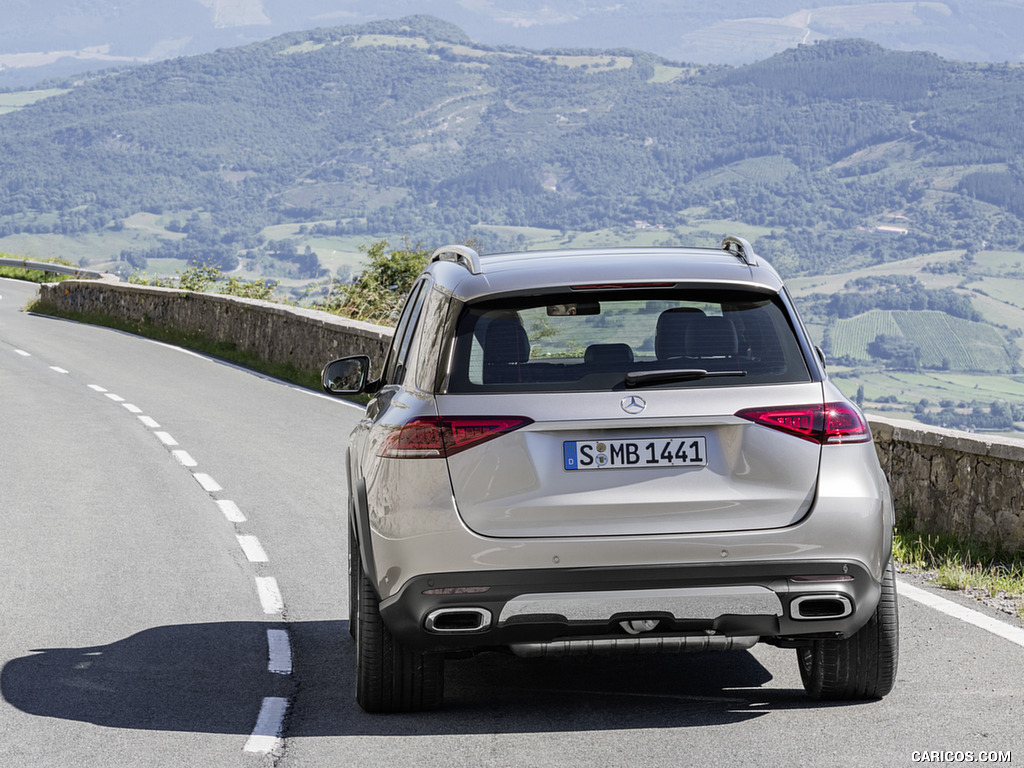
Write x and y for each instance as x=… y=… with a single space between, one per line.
x=209 y=484
x=280 y=652
x=231 y=511
x=270 y=595
x=252 y=548
x=23 y=353
x=57 y=369
x=165 y=438
x=957 y=611
x=266 y=737
x=184 y=458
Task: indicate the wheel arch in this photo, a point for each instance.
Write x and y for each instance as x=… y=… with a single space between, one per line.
x=359 y=519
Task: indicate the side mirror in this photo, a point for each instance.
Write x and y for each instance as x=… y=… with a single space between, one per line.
x=346 y=376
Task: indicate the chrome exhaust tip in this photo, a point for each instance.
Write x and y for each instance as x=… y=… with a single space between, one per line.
x=818 y=607
x=451 y=621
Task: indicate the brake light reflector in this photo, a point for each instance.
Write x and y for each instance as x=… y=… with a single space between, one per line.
x=435 y=437
x=612 y=286
x=831 y=424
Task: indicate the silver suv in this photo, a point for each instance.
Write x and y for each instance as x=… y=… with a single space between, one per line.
x=615 y=450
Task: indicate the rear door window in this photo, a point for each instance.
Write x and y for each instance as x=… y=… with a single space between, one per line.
x=398 y=357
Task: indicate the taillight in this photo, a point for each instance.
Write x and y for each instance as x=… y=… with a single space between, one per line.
x=831 y=424
x=434 y=437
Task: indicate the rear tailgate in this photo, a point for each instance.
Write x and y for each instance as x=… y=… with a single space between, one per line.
x=586 y=467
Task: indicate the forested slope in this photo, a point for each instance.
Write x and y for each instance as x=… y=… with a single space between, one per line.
x=409 y=127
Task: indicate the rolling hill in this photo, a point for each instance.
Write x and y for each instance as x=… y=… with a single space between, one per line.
x=836 y=155
x=281 y=157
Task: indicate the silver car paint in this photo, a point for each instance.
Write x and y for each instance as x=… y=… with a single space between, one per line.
x=516 y=485
x=511 y=273
x=417 y=529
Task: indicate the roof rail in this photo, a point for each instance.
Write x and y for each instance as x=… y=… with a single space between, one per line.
x=737 y=246
x=459 y=254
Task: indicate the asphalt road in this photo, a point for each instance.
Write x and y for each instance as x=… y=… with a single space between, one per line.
x=172 y=593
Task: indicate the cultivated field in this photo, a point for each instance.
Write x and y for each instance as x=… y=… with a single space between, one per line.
x=945 y=342
x=850 y=338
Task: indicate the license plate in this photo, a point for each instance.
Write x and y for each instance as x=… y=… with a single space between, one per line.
x=636 y=454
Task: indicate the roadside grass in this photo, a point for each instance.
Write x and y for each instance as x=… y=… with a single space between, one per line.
x=976 y=569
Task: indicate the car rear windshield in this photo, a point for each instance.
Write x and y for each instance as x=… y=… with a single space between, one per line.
x=622 y=339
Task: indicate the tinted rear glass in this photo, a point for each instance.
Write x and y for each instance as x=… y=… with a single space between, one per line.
x=599 y=341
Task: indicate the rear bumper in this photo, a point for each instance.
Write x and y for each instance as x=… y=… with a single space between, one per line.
x=409 y=528
x=540 y=611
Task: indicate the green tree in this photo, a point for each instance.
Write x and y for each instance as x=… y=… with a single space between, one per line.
x=377 y=294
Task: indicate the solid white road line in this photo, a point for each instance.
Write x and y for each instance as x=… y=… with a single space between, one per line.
x=252 y=548
x=266 y=736
x=270 y=595
x=280 y=652
x=957 y=611
x=231 y=511
x=209 y=484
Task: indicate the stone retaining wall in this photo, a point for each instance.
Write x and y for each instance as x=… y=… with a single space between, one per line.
x=275 y=333
x=942 y=481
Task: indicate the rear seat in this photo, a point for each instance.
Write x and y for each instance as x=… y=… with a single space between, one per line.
x=608 y=356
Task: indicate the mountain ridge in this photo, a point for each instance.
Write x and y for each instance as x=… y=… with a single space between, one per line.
x=43 y=39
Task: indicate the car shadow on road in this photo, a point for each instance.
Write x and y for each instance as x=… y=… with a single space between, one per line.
x=213 y=677
x=191 y=677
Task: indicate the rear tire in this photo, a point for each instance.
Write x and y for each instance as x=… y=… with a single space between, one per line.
x=862 y=666
x=389 y=676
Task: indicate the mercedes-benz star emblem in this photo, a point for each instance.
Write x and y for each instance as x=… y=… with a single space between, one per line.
x=633 y=404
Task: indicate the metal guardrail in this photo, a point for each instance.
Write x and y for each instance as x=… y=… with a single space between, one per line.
x=47 y=266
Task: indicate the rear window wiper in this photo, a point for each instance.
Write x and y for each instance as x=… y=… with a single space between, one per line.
x=650 y=378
